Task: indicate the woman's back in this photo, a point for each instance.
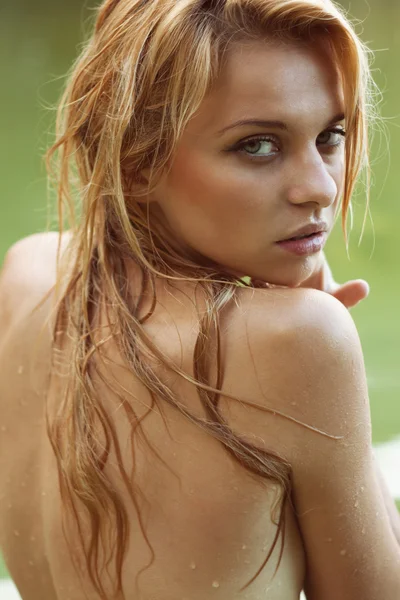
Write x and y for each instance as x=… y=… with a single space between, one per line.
x=209 y=523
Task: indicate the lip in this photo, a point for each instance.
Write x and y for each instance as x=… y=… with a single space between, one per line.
x=306 y=246
x=311 y=228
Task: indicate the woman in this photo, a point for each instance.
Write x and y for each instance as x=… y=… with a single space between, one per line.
x=183 y=418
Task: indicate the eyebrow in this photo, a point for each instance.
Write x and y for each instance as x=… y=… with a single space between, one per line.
x=273 y=124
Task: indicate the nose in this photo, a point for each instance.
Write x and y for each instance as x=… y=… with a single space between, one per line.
x=310 y=181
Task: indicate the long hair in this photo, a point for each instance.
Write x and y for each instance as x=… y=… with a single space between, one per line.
x=142 y=75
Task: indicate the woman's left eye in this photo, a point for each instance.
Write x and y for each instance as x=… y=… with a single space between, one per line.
x=332 y=137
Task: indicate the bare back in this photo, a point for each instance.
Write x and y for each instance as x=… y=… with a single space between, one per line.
x=208 y=521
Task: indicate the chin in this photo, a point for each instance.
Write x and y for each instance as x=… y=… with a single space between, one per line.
x=290 y=275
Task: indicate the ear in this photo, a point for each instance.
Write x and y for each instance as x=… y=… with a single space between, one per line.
x=137 y=188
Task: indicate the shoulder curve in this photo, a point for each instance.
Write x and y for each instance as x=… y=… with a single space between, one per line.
x=297 y=313
x=28 y=273
x=308 y=357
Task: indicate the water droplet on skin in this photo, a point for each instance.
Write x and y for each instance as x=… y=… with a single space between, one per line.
x=192 y=565
x=23 y=484
x=32 y=538
x=363 y=530
x=236 y=488
x=246 y=562
x=328 y=539
x=356 y=503
x=215 y=584
x=9 y=506
x=16 y=533
x=43 y=493
x=23 y=402
x=31 y=563
x=343 y=552
x=293 y=403
x=244 y=547
x=362 y=488
x=3 y=428
x=20 y=370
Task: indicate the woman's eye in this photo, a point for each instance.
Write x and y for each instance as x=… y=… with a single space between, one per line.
x=332 y=137
x=258 y=147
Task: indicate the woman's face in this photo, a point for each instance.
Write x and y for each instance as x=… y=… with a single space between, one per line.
x=233 y=190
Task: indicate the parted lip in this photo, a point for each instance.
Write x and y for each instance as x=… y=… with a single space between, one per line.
x=317 y=227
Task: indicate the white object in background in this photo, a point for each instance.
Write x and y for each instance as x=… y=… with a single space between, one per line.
x=8 y=591
x=388 y=457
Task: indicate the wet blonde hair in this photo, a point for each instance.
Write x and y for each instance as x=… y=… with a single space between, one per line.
x=142 y=75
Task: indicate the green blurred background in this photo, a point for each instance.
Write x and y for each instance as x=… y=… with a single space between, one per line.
x=38 y=42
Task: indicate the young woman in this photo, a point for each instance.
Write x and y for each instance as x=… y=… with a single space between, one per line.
x=181 y=417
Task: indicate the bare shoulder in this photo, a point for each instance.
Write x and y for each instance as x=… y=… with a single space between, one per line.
x=310 y=385
x=27 y=274
x=293 y=312
x=304 y=352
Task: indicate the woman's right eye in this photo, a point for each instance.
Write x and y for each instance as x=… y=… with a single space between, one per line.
x=254 y=145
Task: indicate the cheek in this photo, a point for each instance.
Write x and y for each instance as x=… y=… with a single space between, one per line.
x=217 y=187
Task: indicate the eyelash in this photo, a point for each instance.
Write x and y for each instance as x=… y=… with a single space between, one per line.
x=262 y=138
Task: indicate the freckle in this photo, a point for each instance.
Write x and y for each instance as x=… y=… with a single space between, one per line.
x=343 y=552
x=215 y=584
x=192 y=565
